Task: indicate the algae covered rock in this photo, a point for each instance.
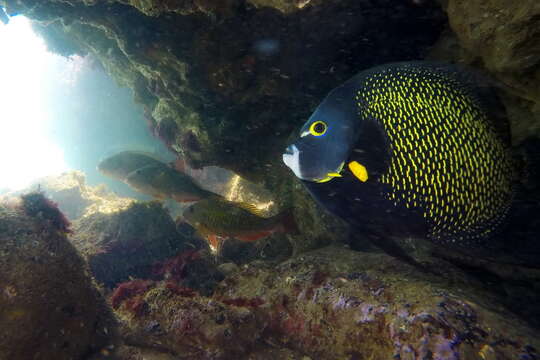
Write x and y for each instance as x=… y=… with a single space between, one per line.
x=191 y=326
x=503 y=37
x=74 y=197
x=69 y=191
x=332 y=303
x=127 y=243
x=49 y=308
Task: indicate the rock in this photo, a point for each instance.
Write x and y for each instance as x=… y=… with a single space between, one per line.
x=49 y=308
x=323 y=299
x=118 y=236
x=228 y=268
x=275 y=247
x=192 y=326
x=286 y=6
x=503 y=38
x=69 y=191
x=127 y=243
x=125 y=352
x=226 y=83
x=194 y=269
x=74 y=197
x=332 y=303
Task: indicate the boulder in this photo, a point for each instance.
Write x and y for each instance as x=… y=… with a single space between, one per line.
x=127 y=243
x=332 y=303
x=49 y=307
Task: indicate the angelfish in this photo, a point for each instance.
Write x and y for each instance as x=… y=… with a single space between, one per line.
x=410 y=149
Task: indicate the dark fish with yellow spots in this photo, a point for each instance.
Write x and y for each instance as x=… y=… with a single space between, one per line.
x=410 y=149
x=216 y=218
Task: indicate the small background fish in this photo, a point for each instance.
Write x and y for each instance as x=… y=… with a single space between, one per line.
x=163 y=182
x=216 y=218
x=148 y=175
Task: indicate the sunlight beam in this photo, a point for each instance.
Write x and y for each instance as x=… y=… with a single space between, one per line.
x=25 y=151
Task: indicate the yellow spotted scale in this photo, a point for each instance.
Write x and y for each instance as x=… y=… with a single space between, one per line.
x=447 y=159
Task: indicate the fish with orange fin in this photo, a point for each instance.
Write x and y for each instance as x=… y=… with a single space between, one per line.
x=216 y=218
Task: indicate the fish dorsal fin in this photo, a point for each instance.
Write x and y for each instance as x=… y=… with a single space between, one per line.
x=250 y=207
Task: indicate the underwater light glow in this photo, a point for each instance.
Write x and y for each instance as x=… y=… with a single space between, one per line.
x=235 y=193
x=26 y=153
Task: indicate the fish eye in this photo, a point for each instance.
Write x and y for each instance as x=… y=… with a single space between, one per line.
x=318 y=128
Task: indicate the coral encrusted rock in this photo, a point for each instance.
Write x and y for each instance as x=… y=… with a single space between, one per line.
x=127 y=243
x=49 y=308
x=332 y=303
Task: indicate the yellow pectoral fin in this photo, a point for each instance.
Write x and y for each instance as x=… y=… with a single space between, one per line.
x=358 y=170
x=326 y=179
x=330 y=176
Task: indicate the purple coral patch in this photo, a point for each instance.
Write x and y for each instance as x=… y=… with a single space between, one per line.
x=368 y=312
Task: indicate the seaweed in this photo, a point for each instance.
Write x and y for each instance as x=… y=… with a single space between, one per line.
x=36 y=205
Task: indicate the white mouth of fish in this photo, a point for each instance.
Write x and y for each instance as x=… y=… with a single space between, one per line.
x=291 y=158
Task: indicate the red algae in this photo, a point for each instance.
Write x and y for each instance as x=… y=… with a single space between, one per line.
x=36 y=205
x=244 y=302
x=179 y=290
x=174 y=268
x=136 y=305
x=129 y=290
x=293 y=325
x=319 y=277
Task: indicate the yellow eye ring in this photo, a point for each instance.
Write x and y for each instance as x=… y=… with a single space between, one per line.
x=318 y=128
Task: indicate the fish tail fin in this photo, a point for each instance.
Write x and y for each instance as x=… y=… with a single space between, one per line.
x=287 y=222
